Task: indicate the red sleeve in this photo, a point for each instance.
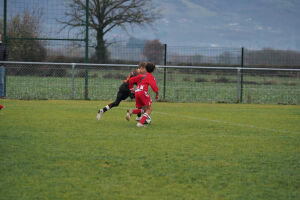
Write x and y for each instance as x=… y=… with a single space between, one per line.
x=153 y=85
x=133 y=80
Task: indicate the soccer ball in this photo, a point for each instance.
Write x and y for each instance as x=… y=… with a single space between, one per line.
x=148 y=120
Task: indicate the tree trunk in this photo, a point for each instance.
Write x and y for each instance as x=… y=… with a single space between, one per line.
x=101 y=53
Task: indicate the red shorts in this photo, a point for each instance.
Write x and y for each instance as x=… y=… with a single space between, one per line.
x=142 y=98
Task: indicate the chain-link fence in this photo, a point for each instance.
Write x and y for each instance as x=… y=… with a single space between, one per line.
x=63 y=80
x=271 y=86
x=176 y=83
x=230 y=85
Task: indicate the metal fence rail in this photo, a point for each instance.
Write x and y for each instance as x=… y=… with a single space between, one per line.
x=41 y=80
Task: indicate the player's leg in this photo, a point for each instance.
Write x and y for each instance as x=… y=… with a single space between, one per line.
x=138 y=104
x=138 y=112
x=120 y=96
x=148 y=110
x=146 y=102
x=138 y=117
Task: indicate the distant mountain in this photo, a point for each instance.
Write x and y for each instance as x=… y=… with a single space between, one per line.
x=135 y=43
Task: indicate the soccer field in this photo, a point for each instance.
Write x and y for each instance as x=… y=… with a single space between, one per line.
x=58 y=150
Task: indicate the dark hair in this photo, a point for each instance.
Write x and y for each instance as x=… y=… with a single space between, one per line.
x=150 y=67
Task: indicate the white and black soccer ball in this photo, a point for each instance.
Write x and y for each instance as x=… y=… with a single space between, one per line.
x=148 y=120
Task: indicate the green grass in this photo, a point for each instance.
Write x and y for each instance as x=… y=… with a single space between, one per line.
x=58 y=150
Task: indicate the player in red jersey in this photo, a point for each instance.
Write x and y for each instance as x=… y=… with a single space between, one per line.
x=142 y=97
x=1 y=106
x=124 y=91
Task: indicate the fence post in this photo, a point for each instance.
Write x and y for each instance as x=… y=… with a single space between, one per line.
x=73 y=69
x=86 y=84
x=4 y=39
x=165 y=70
x=241 y=75
x=238 y=85
x=2 y=82
x=156 y=75
x=86 y=88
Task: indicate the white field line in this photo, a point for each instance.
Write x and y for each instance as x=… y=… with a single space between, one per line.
x=224 y=122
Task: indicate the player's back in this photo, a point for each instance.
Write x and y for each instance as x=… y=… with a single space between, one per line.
x=144 y=81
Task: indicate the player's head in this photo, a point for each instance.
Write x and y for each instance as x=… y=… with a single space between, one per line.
x=150 y=67
x=142 y=67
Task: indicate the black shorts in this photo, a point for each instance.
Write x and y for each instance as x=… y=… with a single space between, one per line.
x=123 y=92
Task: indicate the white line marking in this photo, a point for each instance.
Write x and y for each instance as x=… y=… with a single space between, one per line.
x=224 y=122
x=228 y=123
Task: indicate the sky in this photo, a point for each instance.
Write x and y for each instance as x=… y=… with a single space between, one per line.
x=252 y=24
x=225 y=23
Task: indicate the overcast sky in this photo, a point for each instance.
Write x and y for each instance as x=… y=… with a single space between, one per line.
x=225 y=23
x=228 y=23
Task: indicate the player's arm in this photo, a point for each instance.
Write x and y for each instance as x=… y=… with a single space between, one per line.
x=132 y=81
x=128 y=77
x=156 y=96
x=154 y=87
x=134 y=73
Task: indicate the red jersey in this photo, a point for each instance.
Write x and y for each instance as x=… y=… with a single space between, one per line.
x=143 y=81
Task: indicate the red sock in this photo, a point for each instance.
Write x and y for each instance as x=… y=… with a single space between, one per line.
x=145 y=116
x=137 y=111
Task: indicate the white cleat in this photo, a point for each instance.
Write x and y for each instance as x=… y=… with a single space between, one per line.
x=99 y=114
x=138 y=118
x=128 y=115
x=140 y=125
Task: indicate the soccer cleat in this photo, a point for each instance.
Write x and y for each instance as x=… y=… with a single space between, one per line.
x=99 y=114
x=138 y=118
x=140 y=125
x=128 y=115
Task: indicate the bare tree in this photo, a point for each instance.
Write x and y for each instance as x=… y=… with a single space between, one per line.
x=154 y=51
x=104 y=15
